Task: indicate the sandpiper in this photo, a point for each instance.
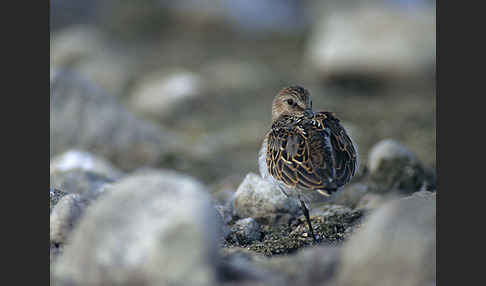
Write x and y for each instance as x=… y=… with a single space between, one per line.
x=305 y=150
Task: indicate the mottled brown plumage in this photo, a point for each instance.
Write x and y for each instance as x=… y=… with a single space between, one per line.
x=306 y=151
x=310 y=153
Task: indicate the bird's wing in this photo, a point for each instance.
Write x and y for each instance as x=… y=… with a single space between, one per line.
x=301 y=156
x=344 y=152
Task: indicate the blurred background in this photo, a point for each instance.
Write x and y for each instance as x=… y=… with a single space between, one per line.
x=188 y=85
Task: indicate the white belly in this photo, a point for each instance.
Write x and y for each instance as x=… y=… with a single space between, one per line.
x=262 y=160
x=262 y=165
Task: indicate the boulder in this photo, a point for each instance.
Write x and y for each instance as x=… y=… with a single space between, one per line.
x=374 y=43
x=153 y=228
x=161 y=94
x=259 y=199
x=85 y=118
x=392 y=166
x=245 y=231
x=395 y=246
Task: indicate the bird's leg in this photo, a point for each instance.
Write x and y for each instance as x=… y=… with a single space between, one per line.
x=306 y=214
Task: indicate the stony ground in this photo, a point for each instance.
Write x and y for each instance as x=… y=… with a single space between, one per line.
x=154 y=142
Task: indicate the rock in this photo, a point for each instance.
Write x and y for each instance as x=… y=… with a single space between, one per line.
x=396 y=246
x=309 y=266
x=245 y=231
x=225 y=229
x=373 y=201
x=111 y=72
x=55 y=195
x=152 y=228
x=80 y=182
x=65 y=216
x=425 y=195
x=388 y=149
x=392 y=166
x=373 y=43
x=225 y=212
x=158 y=95
x=80 y=172
x=84 y=178
x=75 y=44
x=81 y=48
x=240 y=267
x=83 y=117
x=77 y=159
x=350 y=195
x=259 y=199
x=223 y=195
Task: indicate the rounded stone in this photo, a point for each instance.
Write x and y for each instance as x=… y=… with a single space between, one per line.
x=152 y=228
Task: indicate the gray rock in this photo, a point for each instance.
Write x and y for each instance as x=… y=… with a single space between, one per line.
x=65 y=216
x=426 y=195
x=373 y=201
x=396 y=246
x=225 y=229
x=75 y=44
x=83 y=117
x=223 y=195
x=55 y=195
x=83 y=49
x=79 y=181
x=111 y=72
x=350 y=195
x=81 y=172
x=309 y=266
x=259 y=199
x=160 y=94
x=225 y=212
x=84 y=178
x=152 y=228
x=81 y=160
x=374 y=41
x=240 y=267
x=245 y=231
x=393 y=167
x=385 y=150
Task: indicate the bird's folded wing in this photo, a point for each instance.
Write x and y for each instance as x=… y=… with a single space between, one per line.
x=301 y=156
x=344 y=151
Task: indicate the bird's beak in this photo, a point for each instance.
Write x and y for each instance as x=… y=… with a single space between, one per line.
x=308 y=113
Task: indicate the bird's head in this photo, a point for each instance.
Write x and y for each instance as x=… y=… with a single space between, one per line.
x=292 y=100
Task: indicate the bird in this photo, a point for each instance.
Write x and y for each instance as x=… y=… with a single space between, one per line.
x=305 y=151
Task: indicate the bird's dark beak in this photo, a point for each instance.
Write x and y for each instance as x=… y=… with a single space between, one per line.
x=308 y=113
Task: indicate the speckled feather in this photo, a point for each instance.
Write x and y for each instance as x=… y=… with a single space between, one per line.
x=310 y=153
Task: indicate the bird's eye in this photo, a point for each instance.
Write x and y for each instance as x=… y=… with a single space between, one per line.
x=290 y=101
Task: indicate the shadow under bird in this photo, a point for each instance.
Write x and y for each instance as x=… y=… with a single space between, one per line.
x=305 y=150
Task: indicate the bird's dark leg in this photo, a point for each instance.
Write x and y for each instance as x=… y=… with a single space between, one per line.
x=306 y=214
